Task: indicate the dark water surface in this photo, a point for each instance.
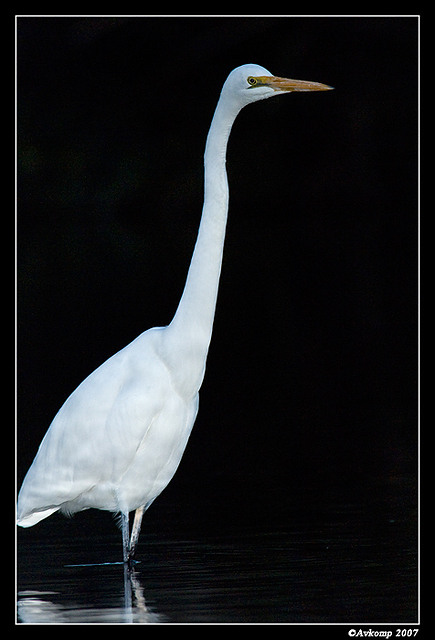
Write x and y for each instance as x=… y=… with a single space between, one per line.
x=314 y=554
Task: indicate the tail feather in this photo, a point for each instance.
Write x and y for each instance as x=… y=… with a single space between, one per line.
x=30 y=519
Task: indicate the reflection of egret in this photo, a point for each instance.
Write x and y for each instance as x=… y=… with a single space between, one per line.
x=136 y=608
x=45 y=607
x=118 y=439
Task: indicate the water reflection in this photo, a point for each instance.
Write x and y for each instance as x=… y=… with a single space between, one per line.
x=41 y=607
x=319 y=556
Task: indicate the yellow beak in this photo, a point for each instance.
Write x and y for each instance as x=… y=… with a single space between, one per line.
x=285 y=84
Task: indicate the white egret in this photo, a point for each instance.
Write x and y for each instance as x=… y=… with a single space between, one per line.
x=118 y=439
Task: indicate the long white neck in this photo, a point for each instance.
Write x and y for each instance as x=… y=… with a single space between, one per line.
x=187 y=338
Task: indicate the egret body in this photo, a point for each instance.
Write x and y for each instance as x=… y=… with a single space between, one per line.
x=118 y=439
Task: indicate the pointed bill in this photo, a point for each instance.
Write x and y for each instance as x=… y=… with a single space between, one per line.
x=286 y=84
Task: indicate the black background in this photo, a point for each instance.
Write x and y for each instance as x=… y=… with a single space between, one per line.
x=312 y=370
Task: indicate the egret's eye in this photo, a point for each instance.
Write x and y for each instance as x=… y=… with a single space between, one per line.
x=252 y=81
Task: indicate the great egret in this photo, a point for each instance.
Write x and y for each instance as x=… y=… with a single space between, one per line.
x=118 y=439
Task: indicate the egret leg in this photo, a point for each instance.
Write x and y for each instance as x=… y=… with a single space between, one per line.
x=125 y=535
x=138 y=515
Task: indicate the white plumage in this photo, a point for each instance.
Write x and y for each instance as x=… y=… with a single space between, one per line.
x=118 y=439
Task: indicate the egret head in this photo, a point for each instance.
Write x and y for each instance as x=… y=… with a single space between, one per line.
x=251 y=82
